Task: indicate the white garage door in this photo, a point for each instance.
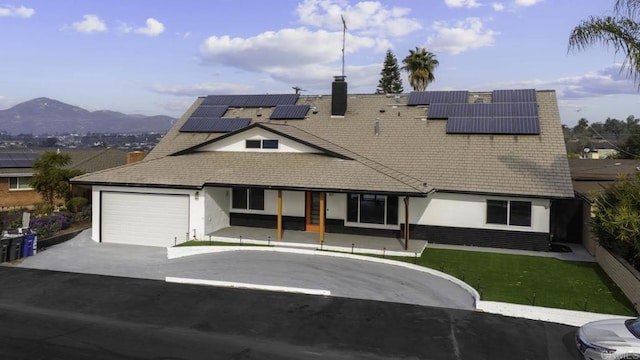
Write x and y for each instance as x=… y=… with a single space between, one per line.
x=144 y=219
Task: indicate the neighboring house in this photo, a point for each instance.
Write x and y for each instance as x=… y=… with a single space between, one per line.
x=437 y=165
x=16 y=171
x=601 y=154
x=589 y=177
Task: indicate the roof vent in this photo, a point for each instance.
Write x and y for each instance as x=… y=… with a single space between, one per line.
x=376 y=127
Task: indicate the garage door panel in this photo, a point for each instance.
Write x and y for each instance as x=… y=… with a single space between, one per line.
x=144 y=219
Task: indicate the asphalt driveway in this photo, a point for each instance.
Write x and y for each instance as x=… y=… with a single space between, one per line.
x=343 y=277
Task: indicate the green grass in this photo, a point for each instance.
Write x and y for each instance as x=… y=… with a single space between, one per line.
x=531 y=280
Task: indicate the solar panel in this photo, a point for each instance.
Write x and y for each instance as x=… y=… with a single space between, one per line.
x=524 y=125
x=214 y=125
x=290 y=112
x=444 y=111
x=210 y=111
x=519 y=95
x=437 y=97
x=17 y=160
x=270 y=100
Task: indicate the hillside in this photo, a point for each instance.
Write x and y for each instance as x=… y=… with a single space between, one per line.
x=49 y=116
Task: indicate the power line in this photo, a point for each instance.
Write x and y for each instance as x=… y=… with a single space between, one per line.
x=610 y=143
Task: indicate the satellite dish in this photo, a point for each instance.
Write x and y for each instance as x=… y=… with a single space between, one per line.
x=587 y=150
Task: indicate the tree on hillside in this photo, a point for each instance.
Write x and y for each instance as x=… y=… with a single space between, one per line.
x=390 y=81
x=51 y=177
x=620 y=31
x=617 y=218
x=420 y=64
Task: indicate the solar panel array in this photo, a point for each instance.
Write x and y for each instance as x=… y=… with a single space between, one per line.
x=437 y=97
x=214 y=125
x=443 y=111
x=17 y=160
x=290 y=112
x=251 y=100
x=523 y=125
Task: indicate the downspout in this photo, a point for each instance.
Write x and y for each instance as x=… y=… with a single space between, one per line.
x=406 y=223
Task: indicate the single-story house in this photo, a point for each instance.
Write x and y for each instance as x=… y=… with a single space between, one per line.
x=16 y=170
x=456 y=167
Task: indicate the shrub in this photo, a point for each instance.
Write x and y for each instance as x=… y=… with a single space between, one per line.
x=46 y=225
x=77 y=204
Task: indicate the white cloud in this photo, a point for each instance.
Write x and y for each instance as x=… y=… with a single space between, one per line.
x=283 y=49
x=200 y=89
x=465 y=35
x=12 y=11
x=526 y=3
x=608 y=81
x=462 y=3
x=153 y=28
x=363 y=18
x=91 y=23
x=498 y=6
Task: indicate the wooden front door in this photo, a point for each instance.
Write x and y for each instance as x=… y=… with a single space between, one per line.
x=313 y=211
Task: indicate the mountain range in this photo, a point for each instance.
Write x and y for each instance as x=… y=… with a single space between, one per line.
x=48 y=116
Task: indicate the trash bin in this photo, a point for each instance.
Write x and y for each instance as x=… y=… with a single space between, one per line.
x=27 y=245
x=4 y=249
x=15 y=249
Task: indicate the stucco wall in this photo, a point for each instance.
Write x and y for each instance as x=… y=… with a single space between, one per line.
x=469 y=211
x=624 y=275
x=216 y=209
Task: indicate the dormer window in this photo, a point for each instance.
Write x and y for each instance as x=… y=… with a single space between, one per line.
x=261 y=144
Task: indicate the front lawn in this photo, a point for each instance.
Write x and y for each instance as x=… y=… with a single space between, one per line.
x=531 y=280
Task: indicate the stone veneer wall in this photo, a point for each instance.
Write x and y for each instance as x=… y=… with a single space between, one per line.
x=624 y=275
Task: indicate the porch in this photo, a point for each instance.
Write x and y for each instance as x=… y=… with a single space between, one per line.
x=350 y=243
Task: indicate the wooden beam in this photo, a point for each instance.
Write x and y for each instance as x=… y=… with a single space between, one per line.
x=279 y=235
x=406 y=223
x=322 y=216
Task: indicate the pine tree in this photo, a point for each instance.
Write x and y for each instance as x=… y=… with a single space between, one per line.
x=390 y=81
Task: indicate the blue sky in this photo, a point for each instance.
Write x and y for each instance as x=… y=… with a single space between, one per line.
x=156 y=57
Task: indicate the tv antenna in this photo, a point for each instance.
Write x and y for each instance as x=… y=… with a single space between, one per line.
x=344 y=33
x=298 y=89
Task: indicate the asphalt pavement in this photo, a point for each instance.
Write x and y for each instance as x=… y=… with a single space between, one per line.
x=60 y=315
x=341 y=277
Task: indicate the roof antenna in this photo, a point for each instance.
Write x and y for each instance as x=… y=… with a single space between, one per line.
x=298 y=89
x=344 y=33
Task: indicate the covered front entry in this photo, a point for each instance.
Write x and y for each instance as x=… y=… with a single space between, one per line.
x=143 y=219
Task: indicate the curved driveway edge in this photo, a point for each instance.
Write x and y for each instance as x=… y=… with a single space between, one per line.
x=178 y=252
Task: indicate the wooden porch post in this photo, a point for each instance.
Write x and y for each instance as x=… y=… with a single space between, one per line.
x=322 y=216
x=406 y=223
x=279 y=230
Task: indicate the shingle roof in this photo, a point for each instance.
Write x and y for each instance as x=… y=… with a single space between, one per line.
x=409 y=148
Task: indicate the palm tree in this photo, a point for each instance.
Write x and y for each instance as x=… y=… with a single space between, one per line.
x=621 y=31
x=420 y=64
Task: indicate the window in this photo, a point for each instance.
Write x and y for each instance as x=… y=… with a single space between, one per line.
x=372 y=209
x=516 y=213
x=261 y=144
x=250 y=199
x=253 y=144
x=19 y=183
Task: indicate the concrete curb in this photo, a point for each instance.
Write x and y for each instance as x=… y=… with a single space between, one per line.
x=560 y=316
x=238 y=285
x=178 y=252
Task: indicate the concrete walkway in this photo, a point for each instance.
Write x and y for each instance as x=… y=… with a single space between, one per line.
x=298 y=270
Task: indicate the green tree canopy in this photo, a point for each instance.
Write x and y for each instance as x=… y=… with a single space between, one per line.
x=620 y=32
x=421 y=65
x=390 y=81
x=617 y=218
x=51 y=177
